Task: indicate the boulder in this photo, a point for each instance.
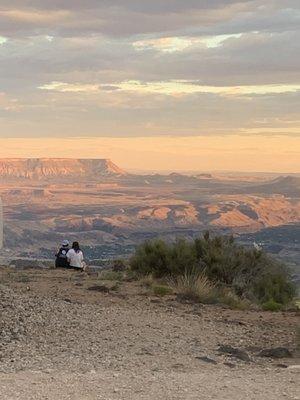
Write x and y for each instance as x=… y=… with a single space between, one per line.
x=276 y=352
x=234 y=352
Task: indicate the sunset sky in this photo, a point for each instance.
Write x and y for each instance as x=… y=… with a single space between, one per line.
x=160 y=84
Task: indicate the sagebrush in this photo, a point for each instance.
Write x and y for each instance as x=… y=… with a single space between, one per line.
x=249 y=273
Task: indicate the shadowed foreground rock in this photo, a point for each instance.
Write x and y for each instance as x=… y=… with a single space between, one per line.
x=278 y=352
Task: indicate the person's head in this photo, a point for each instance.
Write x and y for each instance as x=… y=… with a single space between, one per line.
x=65 y=243
x=75 y=246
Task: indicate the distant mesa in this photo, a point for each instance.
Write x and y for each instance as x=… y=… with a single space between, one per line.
x=47 y=168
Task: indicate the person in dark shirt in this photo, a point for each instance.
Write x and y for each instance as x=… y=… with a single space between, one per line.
x=61 y=260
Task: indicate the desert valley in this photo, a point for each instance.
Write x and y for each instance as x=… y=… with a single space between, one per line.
x=110 y=210
x=109 y=333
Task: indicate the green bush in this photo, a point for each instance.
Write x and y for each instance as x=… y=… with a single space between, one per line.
x=227 y=297
x=119 y=265
x=248 y=273
x=110 y=275
x=160 y=290
x=271 y=305
x=273 y=285
x=160 y=259
x=152 y=258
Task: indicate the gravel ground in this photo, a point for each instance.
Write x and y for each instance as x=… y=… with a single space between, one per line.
x=59 y=340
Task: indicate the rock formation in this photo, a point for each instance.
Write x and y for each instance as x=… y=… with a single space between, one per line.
x=50 y=168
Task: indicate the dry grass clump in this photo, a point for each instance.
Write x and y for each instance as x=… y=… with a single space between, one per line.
x=109 y=275
x=194 y=286
x=147 y=281
x=197 y=287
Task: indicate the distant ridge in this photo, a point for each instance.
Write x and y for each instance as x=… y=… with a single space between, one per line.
x=287 y=180
x=47 y=168
x=287 y=185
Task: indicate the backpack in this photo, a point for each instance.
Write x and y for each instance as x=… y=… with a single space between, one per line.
x=61 y=260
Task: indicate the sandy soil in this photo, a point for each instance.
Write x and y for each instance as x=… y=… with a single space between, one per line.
x=60 y=340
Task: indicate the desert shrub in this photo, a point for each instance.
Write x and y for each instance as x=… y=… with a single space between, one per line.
x=183 y=257
x=130 y=276
x=248 y=273
x=271 y=305
x=161 y=290
x=116 y=286
x=161 y=259
x=152 y=258
x=197 y=287
x=119 y=265
x=147 y=281
x=110 y=275
x=272 y=284
x=228 y=297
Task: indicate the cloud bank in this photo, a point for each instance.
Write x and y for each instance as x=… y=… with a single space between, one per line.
x=131 y=68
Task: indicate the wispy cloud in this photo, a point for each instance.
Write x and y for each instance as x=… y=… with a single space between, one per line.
x=171 y=88
x=2 y=40
x=177 y=44
x=70 y=87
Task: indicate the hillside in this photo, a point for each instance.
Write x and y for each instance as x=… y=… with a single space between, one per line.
x=57 y=168
x=287 y=185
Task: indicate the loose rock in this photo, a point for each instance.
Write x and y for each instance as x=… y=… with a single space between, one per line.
x=277 y=352
x=234 y=352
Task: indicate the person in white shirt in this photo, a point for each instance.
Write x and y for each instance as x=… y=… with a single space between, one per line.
x=75 y=257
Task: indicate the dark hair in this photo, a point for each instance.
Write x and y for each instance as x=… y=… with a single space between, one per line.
x=76 y=247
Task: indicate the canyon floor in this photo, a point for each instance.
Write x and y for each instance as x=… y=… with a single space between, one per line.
x=67 y=335
x=110 y=215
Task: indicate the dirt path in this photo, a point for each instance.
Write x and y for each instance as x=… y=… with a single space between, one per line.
x=60 y=340
x=207 y=383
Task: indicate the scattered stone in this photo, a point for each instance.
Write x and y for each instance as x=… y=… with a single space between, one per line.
x=207 y=360
x=281 y=365
x=178 y=366
x=57 y=326
x=99 y=288
x=145 y=351
x=294 y=367
x=234 y=352
x=234 y=322
x=277 y=352
x=229 y=364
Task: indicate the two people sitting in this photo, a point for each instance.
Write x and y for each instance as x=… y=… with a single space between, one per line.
x=70 y=258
